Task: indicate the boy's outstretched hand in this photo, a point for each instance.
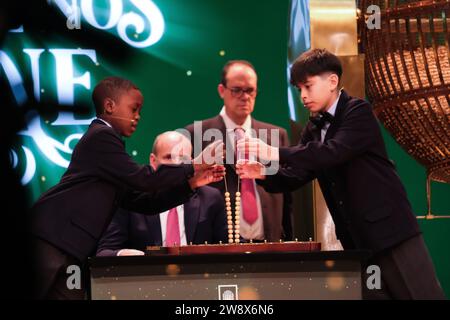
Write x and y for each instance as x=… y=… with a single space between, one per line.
x=250 y=170
x=213 y=154
x=258 y=148
x=208 y=165
x=207 y=175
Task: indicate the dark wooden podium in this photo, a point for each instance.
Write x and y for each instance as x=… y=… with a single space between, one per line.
x=243 y=273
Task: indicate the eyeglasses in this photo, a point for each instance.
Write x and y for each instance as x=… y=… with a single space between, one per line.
x=238 y=92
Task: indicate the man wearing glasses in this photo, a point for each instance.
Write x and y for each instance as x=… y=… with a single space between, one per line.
x=263 y=216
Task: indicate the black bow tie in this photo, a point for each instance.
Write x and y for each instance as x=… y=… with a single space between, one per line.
x=322 y=118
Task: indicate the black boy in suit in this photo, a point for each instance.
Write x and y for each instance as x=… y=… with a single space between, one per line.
x=68 y=220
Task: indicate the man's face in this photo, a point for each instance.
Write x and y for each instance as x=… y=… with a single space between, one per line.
x=171 y=150
x=238 y=105
x=124 y=113
x=318 y=92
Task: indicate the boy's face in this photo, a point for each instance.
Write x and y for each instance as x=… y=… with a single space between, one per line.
x=124 y=114
x=319 y=92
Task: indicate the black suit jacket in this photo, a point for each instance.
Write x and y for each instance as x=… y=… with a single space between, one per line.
x=363 y=192
x=276 y=208
x=204 y=220
x=101 y=177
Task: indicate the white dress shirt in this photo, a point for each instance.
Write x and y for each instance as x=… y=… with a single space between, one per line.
x=256 y=230
x=331 y=111
x=104 y=121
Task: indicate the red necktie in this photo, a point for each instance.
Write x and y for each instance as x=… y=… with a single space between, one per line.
x=248 y=192
x=172 y=228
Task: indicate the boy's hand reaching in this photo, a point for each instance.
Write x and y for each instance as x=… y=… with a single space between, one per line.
x=255 y=146
x=207 y=175
x=208 y=165
x=211 y=155
x=250 y=170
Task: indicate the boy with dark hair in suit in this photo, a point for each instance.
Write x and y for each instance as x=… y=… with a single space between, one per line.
x=343 y=148
x=69 y=219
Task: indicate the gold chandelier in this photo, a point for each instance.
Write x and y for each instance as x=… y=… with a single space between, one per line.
x=407 y=63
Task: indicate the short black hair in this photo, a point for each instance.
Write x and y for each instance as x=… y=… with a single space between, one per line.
x=314 y=62
x=231 y=63
x=110 y=87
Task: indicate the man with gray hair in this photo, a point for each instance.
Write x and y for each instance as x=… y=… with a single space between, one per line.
x=201 y=219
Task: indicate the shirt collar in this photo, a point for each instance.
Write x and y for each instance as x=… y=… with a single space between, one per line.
x=231 y=125
x=104 y=121
x=333 y=107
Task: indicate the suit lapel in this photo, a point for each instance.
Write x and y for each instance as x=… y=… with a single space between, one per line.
x=313 y=130
x=191 y=216
x=337 y=116
x=255 y=126
x=218 y=124
x=316 y=133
